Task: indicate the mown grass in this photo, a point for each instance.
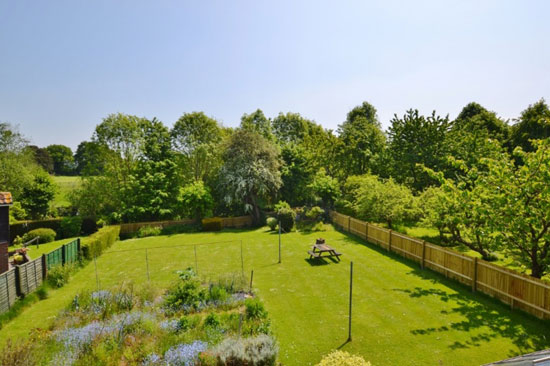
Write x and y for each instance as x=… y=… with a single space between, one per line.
x=35 y=252
x=402 y=315
x=65 y=184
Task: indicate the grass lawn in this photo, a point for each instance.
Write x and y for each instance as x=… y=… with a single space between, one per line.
x=35 y=252
x=65 y=184
x=402 y=315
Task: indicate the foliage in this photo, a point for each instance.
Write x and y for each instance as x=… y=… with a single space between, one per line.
x=93 y=245
x=291 y=127
x=254 y=351
x=58 y=276
x=46 y=235
x=363 y=140
x=187 y=293
x=315 y=213
x=325 y=188
x=41 y=157
x=416 y=141
x=250 y=172
x=37 y=196
x=89 y=158
x=296 y=175
x=146 y=231
x=272 y=223
x=255 y=309
x=534 y=123
x=341 y=358
x=212 y=224
x=179 y=229
x=196 y=200
x=258 y=123
x=70 y=227
x=63 y=161
x=285 y=215
x=18 y=353
x=17 y=212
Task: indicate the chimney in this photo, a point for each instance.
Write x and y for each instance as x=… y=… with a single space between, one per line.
x=5 y=203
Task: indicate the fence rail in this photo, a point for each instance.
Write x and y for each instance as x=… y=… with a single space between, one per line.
x=517 y=290
x=26 y=278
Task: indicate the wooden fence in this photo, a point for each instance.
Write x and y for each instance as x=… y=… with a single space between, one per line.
x=26 y=278
x=228 y=222
x=518 y=290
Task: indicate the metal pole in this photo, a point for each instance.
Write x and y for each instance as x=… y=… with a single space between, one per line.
x=279 y=241
x=251 y=278
x=242 y=260
x=196 y=263
x=96 y=276
x=147 y=262
x=350 y=297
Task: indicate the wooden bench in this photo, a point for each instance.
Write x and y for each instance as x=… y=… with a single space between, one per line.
x=313 y=254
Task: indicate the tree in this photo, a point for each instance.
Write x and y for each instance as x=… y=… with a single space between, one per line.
x=296 y=174
x=41 y=157
x=251 y=171
x=416 y=141
x=196 y=200
x=475 y=117
x=521 y=206
x=257 y=122
x=89 y=158
x=534 y=123
x=63 y=161
x=292 y=127
x=325 y=188
x=36 y=198
x=380 y=201
x=366 y=111
x=197 y=137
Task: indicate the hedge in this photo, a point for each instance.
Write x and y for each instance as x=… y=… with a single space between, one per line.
x=45 y=235
x=93 y=245
x=88 y=227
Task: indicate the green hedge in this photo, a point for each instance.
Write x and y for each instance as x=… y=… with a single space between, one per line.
x=93 y=245
x=45 y=235
x=212 y=224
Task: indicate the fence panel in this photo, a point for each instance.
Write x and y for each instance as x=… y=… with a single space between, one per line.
x=379 y=236
x=71 y=251
x=29 y=276
x=134 y=227
x=358 y=227
x=8 y=290
x=54 y=258
x=408 y=247
x=237 y=222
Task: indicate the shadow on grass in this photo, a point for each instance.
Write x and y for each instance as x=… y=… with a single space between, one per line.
x=317 y=261
x=486 y=317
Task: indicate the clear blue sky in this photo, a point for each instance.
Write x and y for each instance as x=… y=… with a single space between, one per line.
x=64 y=65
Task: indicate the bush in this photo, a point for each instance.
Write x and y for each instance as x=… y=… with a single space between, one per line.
x=70 y=227
x=315 y=213
x=255 y=309
x=272 y=223
x=255 y=351
x=340 y=358
x=212 y=224
x=21 y=228
x=45 y=235
x=93 y=245
x=212 y=320
x=145 y=231
x=58 y=276
x=89 y=225
x=179 y=229
x=286 y=217
x=186 y=293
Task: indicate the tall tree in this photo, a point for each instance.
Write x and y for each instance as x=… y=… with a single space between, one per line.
x=475 y=117
x=250 y=172
x=296 y=174
x=42 y=157
x=196 y=138
x=89 y=158
x=37 y=196
x=292 y=127
x=63 y=161
x=534 y=123
x=362 y=140
x=259 y=123
x=415 y=140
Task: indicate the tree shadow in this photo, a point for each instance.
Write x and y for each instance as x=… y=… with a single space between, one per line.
x=488 y=319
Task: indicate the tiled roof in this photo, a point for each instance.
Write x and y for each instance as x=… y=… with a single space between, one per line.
x=5 y=198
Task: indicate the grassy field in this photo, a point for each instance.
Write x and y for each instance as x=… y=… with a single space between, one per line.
x=402 y=315
x=35 y=252
x=65 y=185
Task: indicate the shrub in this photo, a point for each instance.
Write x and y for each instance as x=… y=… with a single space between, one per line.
x=70 y=227
x=255 y=351
x=212 y=320
x=58 y=276
x=255 y=309
x=89 y=225
x=341 y=358
x=95 y=244
x=145 y=231
x=20 y=353
x=24 y=227
x=212 y=224
x=46 y=235
x=217 y=293
x=272 y=223
x=286 y=217
x=179 y=229
x=315 y=213
x=186 y=294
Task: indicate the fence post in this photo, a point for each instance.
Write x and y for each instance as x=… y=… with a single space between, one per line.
x=350 y=298
x=147 y=262
x=389 y=244
x=423 y=253
x=63 y=254
x=242 y=260
x=251 y=278
x=366 y=231
x=96 y=275
x=44 y=267
x=279 y=241
x=8 y=291
x=474 y=279
x=349 y=224
x=18 y=287
x=78 y=247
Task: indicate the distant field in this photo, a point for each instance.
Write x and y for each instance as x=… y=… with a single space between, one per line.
x=402 y=315
x=65 y=185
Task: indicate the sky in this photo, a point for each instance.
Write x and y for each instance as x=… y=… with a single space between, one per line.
x=65 y=65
